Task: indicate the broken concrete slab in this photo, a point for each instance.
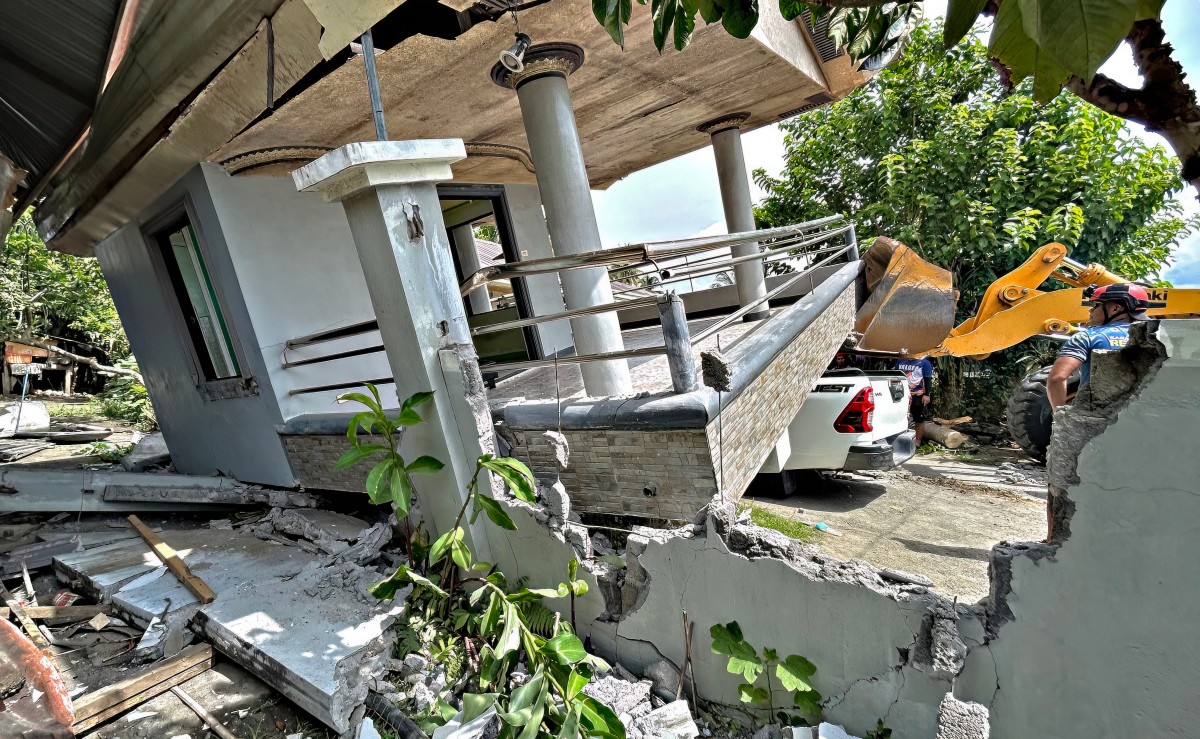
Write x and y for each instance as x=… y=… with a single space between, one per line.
x=150 y=451
x=306 y=628
x=331 y=531
x=962 y=719
x=316 y=638
x=90 y=491
x=30 y=414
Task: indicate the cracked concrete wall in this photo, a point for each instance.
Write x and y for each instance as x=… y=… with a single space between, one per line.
x=1090 y=636
x=1097 y=635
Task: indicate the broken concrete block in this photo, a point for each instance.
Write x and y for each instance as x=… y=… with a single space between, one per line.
x=675 y=717
x=940 y=652
x=620 y=695
x=831 y=731
x=33 y=417
x=367 y=730
x=562 y=450
x=330 y=531
x=556 y=501
x=771 y=731
x=151 y=451
x=962 y=719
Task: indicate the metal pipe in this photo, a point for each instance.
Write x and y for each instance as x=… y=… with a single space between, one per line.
x=677 y=343
x=650 y=351
x=585 y=311
x=368 y=49
x=727 y=320
x=644 y=254
x=717 y=269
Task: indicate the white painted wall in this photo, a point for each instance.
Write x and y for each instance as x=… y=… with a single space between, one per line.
x=234 y=436
x=300 y=274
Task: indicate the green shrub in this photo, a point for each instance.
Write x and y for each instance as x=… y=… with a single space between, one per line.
x=126 y=399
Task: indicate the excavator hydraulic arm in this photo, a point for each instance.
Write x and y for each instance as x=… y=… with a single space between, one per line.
x=1012 y=309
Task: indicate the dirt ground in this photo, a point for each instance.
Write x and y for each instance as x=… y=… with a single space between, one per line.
x=938 y=516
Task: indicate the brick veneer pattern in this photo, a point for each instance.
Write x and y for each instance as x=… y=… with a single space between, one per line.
x=313 y=458
x=611 y=470
x=755 y=419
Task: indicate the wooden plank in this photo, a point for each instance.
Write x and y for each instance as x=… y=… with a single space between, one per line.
x=82 y=725
x=157 y=679
x=176 y=565
x=23 y=618
x=61 y=613
x=210 y=720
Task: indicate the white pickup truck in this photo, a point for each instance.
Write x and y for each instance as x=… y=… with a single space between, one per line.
x=851 y=420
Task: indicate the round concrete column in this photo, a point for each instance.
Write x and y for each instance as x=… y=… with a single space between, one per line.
x=566 y=196
x=468 y=259
x=739 y=209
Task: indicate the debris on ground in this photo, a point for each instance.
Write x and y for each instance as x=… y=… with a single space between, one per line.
x=149 y=452
x=1019 y=473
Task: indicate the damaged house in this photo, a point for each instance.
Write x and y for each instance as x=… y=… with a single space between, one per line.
x=283 y=198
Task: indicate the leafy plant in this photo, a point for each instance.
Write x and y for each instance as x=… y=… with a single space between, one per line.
x=126 y=399
x=107 y=452
x=792 y=672
x=881 y=731
x=464 y=613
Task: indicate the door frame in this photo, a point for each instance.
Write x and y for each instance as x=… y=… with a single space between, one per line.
x=508 y=243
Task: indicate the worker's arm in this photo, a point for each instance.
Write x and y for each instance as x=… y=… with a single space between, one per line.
x=927 y=377
x=1056 y=383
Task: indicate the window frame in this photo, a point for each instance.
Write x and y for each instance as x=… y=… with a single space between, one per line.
x=156 y=233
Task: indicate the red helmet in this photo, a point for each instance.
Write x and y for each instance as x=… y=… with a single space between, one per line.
x=1133 y=297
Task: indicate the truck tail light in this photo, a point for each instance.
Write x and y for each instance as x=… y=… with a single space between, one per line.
x=858 y=414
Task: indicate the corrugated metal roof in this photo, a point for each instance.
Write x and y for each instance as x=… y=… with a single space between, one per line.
x=52 y=58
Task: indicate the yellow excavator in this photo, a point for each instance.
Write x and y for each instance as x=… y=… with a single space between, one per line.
x=910 y=311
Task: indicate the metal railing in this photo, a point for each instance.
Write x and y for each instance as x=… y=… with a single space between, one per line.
x=781 y=244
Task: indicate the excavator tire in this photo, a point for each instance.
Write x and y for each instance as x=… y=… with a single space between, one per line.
x=1029 y=414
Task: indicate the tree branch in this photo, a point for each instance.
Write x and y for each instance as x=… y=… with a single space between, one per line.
x=89 y=361
x=1112 y=97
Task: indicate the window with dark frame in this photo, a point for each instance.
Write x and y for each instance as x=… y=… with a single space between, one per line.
x=193 y=288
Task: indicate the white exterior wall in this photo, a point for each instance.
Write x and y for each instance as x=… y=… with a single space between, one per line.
x=300 y=274
x=235 y=436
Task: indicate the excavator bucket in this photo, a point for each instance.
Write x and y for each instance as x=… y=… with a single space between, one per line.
x=910 y=303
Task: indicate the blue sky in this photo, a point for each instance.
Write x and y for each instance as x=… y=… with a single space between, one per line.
x=680 y=197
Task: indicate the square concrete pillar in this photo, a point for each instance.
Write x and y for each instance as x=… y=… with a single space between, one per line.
x=388 y=190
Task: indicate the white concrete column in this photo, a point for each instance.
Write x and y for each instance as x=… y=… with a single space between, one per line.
x=566 y=195
x=739 y=208
x=388 y=191
x=468 y=258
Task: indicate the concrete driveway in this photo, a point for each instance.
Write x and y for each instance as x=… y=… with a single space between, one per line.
x=936 y=517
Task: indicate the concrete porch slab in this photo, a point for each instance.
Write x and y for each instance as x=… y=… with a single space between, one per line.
x=306 y=628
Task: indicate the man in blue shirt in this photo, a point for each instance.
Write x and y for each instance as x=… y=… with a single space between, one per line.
x=920 y=385
x=1113 y=308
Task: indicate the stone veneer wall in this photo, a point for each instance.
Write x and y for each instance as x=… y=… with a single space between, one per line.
x=611 y=470
x=313 y=457
x=750 y=426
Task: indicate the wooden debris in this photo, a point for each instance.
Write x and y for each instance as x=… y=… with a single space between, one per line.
x=30 y=593
x=16 y=609
x=99 y=706
x=176 y=565
x=59 y=614
x=948 y=438
x=949 y=422
x=209 y=720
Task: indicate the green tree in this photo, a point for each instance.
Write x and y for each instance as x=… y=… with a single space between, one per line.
x=1057 y=43
x=936 y=153
x=47 y=293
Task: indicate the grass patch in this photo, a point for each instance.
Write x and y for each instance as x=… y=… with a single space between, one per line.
x=796 y=530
